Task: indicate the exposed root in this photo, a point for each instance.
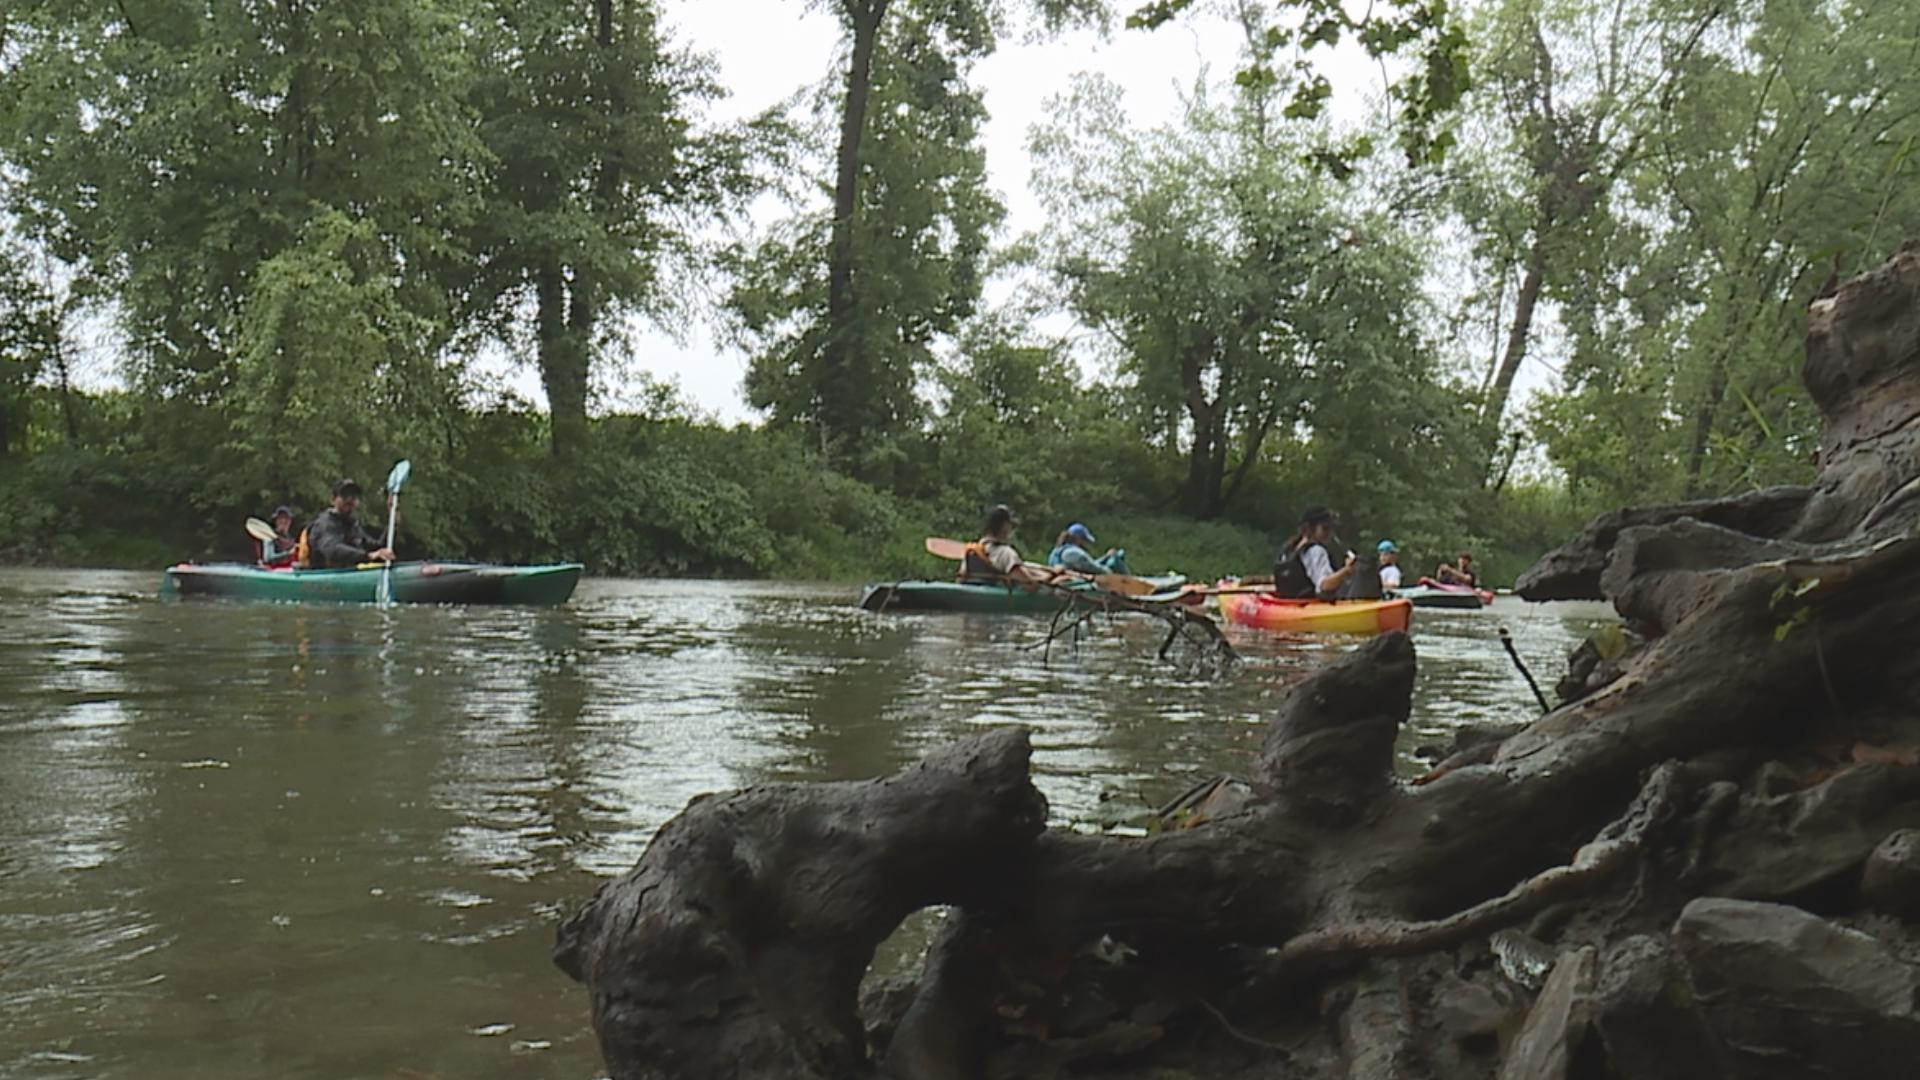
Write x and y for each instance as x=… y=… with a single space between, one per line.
x=1616 y=847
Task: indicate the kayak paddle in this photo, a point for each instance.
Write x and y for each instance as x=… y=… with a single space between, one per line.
x=946 y=549
x=401 y=470
x=1123 y=584
x=260 y=530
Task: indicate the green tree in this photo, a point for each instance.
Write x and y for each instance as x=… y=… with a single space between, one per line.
x=598 y=182
x=1284 y=36
x=169 y=151
x=838 y=345
x=1779 y=155
x=29 y=337
x=333 y=369
x=1245 y=295
x=1568 y=95
x=841 y=310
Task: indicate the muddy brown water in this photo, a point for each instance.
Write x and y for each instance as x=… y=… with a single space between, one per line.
x=249 y=840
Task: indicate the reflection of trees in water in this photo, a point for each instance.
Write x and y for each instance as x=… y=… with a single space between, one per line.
x=832 y=692
x=560 y=801
x=282 y=790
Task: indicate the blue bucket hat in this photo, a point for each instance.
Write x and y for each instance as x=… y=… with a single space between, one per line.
x=1388 y=547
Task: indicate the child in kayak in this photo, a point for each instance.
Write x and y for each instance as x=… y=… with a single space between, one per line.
x=278 y=553
x=1389 y=564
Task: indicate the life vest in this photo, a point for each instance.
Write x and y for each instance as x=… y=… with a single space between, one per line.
x=977 y=564
x=270 y=554
x=1290 y=578
x=303 y=552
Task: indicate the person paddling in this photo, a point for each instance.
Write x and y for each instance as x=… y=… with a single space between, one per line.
x=993 y=560
x=279 y=552
x=1458 y=573
x=335 y=539
x=1074 y=551
x=1304 y=569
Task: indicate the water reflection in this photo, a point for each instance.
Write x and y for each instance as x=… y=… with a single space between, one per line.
x=242 y=840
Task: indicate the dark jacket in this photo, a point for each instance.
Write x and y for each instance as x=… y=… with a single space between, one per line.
x=335 y=541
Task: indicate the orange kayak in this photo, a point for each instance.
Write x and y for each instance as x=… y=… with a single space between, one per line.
x=1316 y=616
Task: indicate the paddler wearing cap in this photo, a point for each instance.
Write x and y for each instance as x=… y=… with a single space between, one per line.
x=993 y=560
x=1304 y=569
x=335 y=539
x=1389 y=564
x=1074 y=551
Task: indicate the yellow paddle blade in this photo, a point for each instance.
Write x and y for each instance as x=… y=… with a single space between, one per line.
x=1124 y=584
x=946 y=549
x=259 y=530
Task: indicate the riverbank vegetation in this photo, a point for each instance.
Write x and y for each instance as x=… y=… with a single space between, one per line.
x=316 y=237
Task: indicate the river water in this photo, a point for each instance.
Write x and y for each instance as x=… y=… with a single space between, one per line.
x=244 y=840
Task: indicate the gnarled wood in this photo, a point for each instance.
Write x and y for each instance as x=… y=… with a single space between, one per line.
x=1778 y=626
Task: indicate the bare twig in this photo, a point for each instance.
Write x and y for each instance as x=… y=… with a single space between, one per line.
x=1506 y=640
x=1614 y=848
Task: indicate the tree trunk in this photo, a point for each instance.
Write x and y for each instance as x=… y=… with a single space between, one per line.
x=1762 y=748
x=1195 y=497
x=1704 y=418
x=563 y=365
x=1517 y=336
x=1249 y=457
x=839 y=395
x=1200 y=498
x=63 y=375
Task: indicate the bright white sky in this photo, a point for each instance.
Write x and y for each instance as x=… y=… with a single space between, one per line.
x=768 y=49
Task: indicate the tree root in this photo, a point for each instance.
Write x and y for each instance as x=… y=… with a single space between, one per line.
x=1615 y=848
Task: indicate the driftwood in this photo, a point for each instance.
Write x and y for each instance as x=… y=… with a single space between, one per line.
x=1697 y=868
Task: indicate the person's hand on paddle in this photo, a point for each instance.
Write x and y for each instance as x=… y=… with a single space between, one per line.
x=382 y=555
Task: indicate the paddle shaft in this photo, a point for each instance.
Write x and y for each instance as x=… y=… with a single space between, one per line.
x=401 y=470
x=1124 y=584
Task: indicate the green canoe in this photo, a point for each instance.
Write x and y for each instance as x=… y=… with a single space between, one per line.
x=989 y=599
x=413 y=583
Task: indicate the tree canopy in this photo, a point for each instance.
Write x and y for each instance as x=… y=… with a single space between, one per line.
x=1560 y=260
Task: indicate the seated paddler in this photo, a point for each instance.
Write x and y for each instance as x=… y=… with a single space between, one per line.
x=1073 y=550
x=279 y=552
x=1304 y=569
x=335 y=539
x=993 y=560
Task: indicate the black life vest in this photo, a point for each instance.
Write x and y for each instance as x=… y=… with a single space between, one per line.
x=1290 y=578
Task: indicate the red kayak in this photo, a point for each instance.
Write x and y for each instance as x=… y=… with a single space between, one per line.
x=1485 y=595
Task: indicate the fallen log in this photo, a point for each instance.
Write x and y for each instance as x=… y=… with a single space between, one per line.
x=1758 y=748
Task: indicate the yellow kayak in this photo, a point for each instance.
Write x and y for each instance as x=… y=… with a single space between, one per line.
x=1269 y=612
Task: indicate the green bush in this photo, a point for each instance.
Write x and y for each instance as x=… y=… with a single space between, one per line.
x=152 y=482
